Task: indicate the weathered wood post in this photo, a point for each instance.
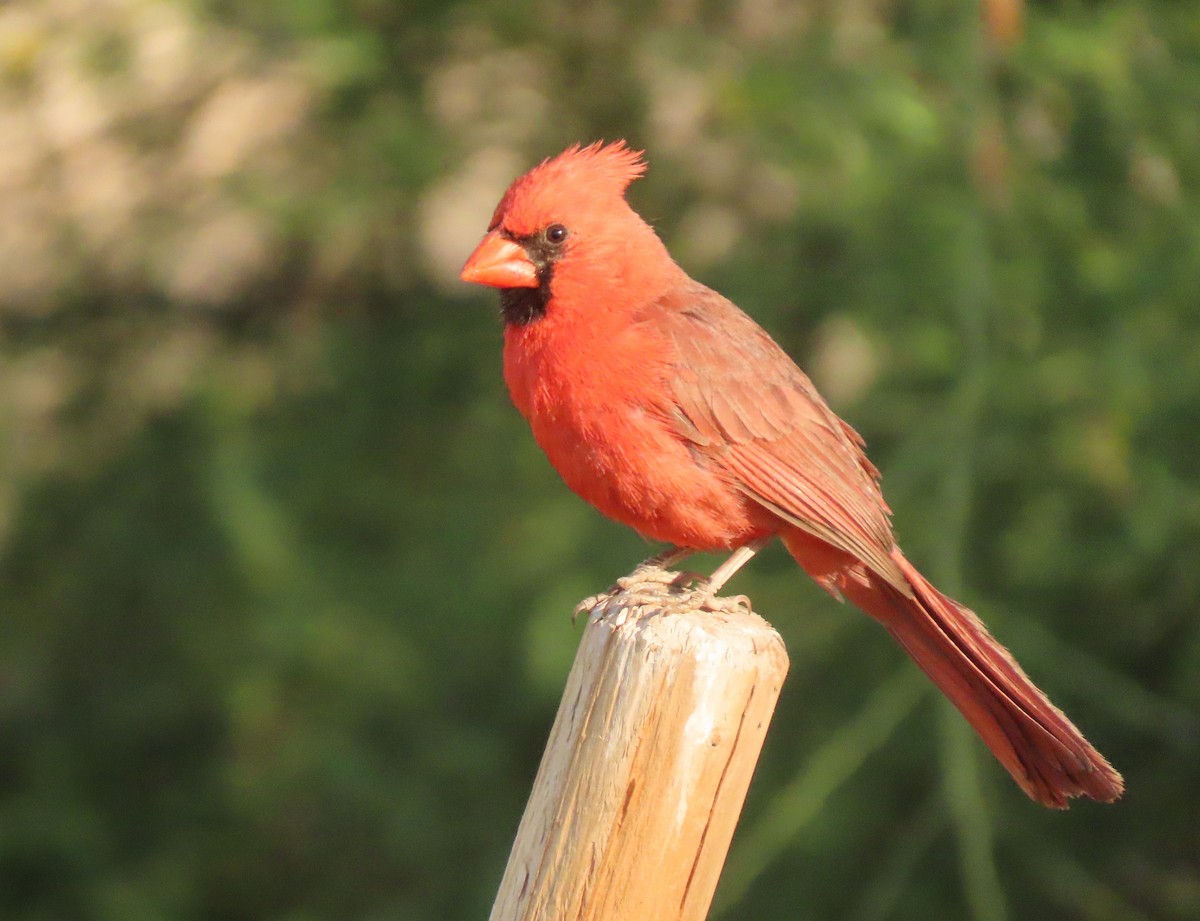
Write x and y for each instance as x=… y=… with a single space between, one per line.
x=647 y=765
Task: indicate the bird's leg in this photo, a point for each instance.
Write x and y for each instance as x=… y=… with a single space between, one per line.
x=657 y=569
x=722 y=574
x=739 y=558
x=667 y=558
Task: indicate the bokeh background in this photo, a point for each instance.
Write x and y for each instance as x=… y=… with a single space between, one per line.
x=284 y=582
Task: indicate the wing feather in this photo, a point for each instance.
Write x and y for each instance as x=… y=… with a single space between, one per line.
x=749 y=410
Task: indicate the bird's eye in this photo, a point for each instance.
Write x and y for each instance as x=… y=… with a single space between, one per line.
x=556 y=233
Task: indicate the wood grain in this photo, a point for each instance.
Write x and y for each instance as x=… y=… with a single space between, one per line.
x=647 y=765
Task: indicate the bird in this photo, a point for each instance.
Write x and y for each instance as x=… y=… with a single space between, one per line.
x=670 y=410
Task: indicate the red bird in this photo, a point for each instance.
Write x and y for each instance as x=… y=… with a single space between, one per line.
x=665 y=406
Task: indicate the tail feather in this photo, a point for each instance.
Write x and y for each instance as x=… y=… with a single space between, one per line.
x=1043 y=751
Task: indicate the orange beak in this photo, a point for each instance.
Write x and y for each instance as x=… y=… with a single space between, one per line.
x=501 y=263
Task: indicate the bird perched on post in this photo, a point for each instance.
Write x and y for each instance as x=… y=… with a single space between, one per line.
x=669 y=409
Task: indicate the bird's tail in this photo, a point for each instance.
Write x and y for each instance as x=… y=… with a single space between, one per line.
x=1040 y=747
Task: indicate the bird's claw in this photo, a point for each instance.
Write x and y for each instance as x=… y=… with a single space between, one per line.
x=650 y=585
x=727 y=605
x=644 y=585
x=649 y=575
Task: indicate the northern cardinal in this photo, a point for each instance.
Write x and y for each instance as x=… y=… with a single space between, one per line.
x=670 y=410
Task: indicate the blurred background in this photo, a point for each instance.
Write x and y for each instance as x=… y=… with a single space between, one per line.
x=285 y=584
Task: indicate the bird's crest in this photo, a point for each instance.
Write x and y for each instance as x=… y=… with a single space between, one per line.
x=597 y=174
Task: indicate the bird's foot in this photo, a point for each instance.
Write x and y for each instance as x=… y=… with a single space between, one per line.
x=729 y=605
x=646 y=585
x=651 y=585
x=649 y=575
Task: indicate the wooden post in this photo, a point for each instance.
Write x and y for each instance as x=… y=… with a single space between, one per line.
x=647 y=766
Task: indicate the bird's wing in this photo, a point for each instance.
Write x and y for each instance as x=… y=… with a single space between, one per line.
x=747 y=408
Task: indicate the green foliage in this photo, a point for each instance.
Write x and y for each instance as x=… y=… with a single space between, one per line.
x=285 y=584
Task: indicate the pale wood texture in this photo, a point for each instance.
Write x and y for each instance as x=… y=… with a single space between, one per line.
x=647 y=766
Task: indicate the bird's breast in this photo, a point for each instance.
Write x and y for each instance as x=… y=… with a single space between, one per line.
x=603 y=417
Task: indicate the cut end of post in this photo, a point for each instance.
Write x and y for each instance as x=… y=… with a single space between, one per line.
x=648 y=762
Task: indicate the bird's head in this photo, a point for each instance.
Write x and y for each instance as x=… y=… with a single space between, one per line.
x=563 y=237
